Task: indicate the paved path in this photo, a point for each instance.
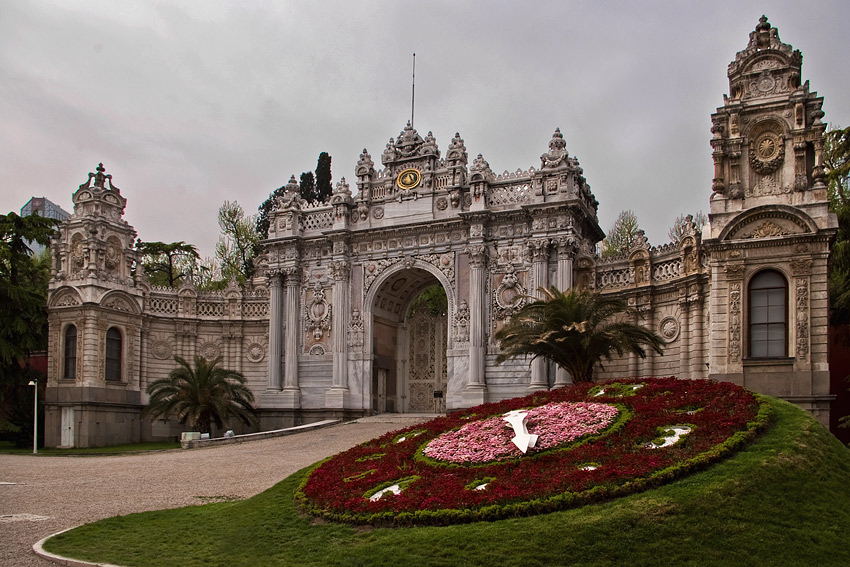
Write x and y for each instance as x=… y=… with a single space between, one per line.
x=50 y=494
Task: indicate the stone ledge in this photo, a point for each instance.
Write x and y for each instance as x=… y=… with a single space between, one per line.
x=200 y=443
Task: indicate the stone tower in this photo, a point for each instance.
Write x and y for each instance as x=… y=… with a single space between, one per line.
x=770 y=228
x=95 y=312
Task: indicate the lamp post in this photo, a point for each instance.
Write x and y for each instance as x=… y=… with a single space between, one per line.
x=35 y=418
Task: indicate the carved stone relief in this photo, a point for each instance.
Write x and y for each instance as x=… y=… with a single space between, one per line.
x=210 y=350
x=767 y=229
x=462 y=323
x=801 y=267
x=317 y=313
x=669 y=328
x=355 y=330
x=255 y=352
x=161 y=350
x=443 y=262
x=509 y=296
x=735 y=322
x=802 y=289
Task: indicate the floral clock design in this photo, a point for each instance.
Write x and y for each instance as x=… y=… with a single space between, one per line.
x=589 y=442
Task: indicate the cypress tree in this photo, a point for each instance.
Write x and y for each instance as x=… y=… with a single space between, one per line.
x=324 y=189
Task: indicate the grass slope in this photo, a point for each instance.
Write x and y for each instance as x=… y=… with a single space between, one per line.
x=784 y=500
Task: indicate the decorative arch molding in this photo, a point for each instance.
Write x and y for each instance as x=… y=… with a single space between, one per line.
x=65 y=297
x=769 y=220
x=772 y=123
x=121 y=302
x=409 y=263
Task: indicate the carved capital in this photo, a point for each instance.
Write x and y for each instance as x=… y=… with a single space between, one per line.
x=567 y=247
x=292 y=275
x=801 y=267
x=734 y=271
x=539 y=249
x=340 y=270
x=477 y=254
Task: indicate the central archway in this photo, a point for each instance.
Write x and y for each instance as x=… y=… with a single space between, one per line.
x=409 y=343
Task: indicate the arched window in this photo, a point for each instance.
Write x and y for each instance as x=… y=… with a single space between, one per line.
x=70 y=353
x=113 y=355
x=768 y=315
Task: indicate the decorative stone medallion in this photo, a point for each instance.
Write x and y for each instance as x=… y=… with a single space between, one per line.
x=161 y=350
x=669 y=328
x=210 y=351
x=256 y=352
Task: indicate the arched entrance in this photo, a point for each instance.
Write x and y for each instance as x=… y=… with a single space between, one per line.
x=409 y=344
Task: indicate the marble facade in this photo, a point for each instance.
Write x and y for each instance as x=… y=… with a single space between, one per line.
x=327 y=329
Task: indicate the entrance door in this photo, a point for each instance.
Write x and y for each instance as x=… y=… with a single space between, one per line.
x=67 y=435
x=427 y=370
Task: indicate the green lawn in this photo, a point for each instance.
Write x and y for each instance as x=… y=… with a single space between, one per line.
x=9 y=449
x=785 y=500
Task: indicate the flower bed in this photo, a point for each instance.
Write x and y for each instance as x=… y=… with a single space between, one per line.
x=595 y=441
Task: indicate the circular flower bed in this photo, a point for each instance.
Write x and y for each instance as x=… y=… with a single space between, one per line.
x=593 y=441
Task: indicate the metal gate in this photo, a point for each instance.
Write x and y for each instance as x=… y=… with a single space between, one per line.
x=427 y=371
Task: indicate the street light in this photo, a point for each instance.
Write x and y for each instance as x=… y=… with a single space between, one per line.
x=34 y=418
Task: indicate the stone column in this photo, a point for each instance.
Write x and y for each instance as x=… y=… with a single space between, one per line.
x=337 y=396
x=540 y=278
x=477 y=346
x=567 y=248
x=684 y=338
x=291 y=390
x=698 y=369
x=275 y=328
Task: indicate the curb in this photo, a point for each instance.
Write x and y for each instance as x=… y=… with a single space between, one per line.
x=38 y=549
x=215 y=442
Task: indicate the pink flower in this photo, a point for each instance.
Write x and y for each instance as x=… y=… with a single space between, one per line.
x=489 y=439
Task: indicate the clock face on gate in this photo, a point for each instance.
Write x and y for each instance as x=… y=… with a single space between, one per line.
x=409 y=178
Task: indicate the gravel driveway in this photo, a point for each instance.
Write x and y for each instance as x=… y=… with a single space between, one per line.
x=41 y=495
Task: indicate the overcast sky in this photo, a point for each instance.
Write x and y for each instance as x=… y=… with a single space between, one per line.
x=189 y=104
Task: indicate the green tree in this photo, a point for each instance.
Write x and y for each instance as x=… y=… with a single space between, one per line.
x=434 y=298
x=239 y=242
x=622 y=235
x=201 y=395
x=168 y=264
x=677 y=231
x=837 y=163
x=575 y=330
x=324 y=189
x=836 y=158
x=307 y=187
x=23 y=288
x=266 y=209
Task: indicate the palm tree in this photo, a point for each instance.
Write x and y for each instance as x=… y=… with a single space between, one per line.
x=202 y=395
x=575 y=330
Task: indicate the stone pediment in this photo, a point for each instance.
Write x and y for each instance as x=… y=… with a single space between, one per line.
x=117 y=301
x=65 y=298
x=769 y=222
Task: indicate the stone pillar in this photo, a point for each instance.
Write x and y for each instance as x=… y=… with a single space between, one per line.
x=477 y=341
x=685 y=353
x=291 y=391
x=337 y=396
x=275 y=327
x=87 y=368
x=633 y=358
x=698 y=369
x=567 y=248
x=540 y=278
